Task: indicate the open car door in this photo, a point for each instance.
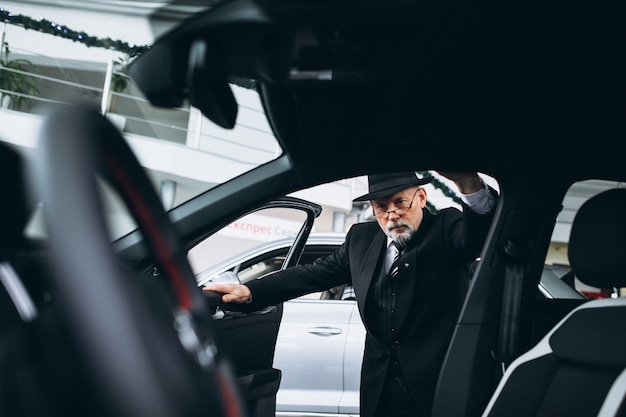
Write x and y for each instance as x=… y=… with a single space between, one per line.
x=253 y=362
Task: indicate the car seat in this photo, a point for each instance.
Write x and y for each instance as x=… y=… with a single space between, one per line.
x=579 y=367
x=14 y=210
x=36 y=378
x=13 y=218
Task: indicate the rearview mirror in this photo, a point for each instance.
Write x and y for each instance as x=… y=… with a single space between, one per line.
x=208 y=88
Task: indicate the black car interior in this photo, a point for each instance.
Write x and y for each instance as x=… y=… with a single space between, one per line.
x=532 y=94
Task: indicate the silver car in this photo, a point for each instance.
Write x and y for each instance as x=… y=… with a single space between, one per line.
x=319 y=348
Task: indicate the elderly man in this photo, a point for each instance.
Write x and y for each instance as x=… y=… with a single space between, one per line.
x=410 y=272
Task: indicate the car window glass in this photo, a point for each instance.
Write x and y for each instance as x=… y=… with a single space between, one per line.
x=255 y=246
x=441 y=194
x=182 y=151
x=118 y=219
x=251 y=246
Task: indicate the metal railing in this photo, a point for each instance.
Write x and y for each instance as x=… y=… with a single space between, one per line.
x=91 y=83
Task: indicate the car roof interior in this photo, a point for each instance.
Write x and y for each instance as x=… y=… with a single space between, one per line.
x=546 y=97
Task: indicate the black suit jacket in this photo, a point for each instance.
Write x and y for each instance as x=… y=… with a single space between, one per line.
x=433 y=281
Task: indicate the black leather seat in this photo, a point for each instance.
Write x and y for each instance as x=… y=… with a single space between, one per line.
x=14 y=210
x=14 y=214
x=579 y=367
x=32 y=360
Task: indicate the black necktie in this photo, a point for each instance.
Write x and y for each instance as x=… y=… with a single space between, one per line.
x=395 y=265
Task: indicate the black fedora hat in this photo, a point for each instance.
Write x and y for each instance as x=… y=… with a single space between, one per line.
x=384 y=185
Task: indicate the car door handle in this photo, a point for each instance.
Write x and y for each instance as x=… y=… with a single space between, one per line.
x=325 y=331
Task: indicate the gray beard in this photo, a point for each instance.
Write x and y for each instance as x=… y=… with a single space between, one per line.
x=403 y=237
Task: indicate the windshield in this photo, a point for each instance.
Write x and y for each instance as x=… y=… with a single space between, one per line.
x=73 y=57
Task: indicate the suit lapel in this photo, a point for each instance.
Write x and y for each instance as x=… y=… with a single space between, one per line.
x=371 y=258
x=373 y=254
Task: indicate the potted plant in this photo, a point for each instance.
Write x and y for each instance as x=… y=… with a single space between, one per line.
x=13 y=81
x=120 y=81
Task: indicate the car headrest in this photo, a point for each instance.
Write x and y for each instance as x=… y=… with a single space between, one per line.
x=597 y=246
x=14 y=211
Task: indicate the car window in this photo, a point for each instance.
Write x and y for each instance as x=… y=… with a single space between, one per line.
x=558 y=280
x=251 y=246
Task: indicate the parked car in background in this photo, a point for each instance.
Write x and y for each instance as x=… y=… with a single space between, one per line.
x=320 y=342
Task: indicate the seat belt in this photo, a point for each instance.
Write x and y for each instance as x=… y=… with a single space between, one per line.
x=506 y=350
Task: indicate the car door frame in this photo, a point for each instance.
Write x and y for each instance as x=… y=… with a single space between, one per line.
x=258 y=380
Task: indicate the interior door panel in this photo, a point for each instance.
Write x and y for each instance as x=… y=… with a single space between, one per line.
x=253 y=362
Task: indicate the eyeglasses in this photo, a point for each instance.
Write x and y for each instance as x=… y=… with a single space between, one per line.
x=402 y=207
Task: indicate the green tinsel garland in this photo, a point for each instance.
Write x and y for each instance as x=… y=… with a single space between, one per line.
x=443 y=187
x=55 y=29
x=52 y=28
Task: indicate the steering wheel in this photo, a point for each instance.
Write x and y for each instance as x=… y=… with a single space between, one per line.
x=147 y=349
